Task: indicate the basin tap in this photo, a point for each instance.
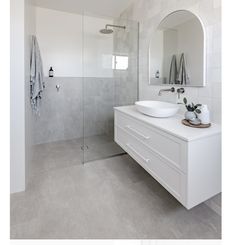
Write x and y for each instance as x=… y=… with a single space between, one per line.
x=166 y=90
x=180 y=91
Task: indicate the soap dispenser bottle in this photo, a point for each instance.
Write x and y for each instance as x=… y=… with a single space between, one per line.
x=51 y=72
x=204 y=116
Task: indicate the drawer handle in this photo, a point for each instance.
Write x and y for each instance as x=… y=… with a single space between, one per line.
x=132 y=149
x=135 y=131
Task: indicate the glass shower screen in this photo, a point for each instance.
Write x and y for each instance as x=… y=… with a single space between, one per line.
x=110 y=78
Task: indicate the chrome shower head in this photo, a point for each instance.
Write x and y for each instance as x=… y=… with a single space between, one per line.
x=106 y=31
x=109 y=31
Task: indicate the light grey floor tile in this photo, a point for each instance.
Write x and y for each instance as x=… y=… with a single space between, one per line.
x=55 y=155
x=215 y=203
x=67 y=153
x=99 y=147
x=110 y=198
x=96 y=152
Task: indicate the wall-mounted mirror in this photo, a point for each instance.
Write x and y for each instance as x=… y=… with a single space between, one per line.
x=177 y=51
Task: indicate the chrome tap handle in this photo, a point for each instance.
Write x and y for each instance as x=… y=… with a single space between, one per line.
x=58 y=87
x=180 y=91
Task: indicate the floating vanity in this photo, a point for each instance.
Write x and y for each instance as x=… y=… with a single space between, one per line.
x=185 y=161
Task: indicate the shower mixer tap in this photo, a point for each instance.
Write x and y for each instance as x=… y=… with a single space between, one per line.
x=58 y=87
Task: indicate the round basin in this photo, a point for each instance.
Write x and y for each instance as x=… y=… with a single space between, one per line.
x=157 y=108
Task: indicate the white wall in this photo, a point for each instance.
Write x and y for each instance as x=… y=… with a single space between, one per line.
x=98 y=48
x=60 y=41
x=69 y=41
x=22 y=27
x=150 y=13
x=17 y=110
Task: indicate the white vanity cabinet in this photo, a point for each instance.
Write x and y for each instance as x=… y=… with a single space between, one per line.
x=186 y=161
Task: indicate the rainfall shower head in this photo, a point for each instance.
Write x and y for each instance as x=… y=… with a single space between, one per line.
x=109 y=31
x=106 y=31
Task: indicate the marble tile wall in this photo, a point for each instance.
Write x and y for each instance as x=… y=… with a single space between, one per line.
x=61 y=113
x=84 y=106
x=126 y=43
x=99 y=95
x=149 y=13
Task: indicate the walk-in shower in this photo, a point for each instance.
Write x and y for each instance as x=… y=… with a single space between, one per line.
x=107 y=30
x=95 y=74
x=118 y=85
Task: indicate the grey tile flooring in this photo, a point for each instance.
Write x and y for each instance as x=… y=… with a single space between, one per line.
x=100 y=146
x=110 y=198
x=55 y=155
x=215 y=203
x=67 y=153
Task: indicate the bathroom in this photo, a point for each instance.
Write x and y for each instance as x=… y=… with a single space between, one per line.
x=105 y=152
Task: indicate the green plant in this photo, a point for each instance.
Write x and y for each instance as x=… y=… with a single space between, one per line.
x=192 y=107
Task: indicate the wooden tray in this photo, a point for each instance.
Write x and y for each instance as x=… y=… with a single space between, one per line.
x=186 y=123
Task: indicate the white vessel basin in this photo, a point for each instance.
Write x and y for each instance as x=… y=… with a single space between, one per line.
x=157 y=108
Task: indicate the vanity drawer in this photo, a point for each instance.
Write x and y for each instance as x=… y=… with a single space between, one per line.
x=164 y=145
x=172 y=179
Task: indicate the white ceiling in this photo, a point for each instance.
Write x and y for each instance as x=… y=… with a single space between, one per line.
x=106 y=8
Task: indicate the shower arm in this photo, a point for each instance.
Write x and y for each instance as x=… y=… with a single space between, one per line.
x=123 y=27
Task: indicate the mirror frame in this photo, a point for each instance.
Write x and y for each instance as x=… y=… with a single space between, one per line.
x=204 y=53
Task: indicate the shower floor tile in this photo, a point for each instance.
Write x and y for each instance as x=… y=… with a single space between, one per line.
x=60 y=154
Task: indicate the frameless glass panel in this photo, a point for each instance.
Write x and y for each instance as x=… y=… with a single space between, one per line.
x=108 y=67
x=58 y=130
x=126 y=72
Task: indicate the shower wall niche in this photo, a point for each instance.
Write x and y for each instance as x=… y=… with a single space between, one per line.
x=95 y=72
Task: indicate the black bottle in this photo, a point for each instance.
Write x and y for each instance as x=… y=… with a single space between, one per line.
x=51 y=72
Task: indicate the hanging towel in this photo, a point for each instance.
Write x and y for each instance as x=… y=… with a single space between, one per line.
x=182 y=77
x=173 y=70
x=36 y=75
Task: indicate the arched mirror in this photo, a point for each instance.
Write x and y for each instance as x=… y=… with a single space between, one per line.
x=177 y=51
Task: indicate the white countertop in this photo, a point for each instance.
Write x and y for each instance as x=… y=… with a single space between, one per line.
x=172 y=125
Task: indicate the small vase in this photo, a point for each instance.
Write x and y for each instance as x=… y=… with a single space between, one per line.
x=190 y=115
